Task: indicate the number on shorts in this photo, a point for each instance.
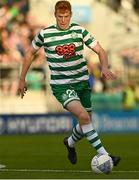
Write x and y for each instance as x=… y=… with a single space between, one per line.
x=71 y=93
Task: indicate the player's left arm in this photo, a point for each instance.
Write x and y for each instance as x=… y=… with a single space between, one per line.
x=103 y=58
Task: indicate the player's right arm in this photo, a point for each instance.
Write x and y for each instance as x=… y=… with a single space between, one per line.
x=27 y=61
x=37 y=43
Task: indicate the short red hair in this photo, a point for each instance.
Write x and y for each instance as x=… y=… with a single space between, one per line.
x=63 y=5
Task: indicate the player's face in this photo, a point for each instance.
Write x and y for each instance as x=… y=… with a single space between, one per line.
x=63 y=19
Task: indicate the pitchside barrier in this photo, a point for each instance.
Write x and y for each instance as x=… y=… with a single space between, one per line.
x=104 y=121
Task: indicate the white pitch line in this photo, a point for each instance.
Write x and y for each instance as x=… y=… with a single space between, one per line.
x=59 y=171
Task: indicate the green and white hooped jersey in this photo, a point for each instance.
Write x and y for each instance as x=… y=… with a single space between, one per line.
x=64 y=52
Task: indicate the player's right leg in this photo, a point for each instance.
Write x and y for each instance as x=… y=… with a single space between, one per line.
x=65 y=96
x=69 y=142
x=76 y=135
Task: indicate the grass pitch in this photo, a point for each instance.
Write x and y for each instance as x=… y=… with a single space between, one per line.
x=45 y=157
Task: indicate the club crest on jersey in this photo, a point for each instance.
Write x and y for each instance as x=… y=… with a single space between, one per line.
x=67 y=50
x=74 y=35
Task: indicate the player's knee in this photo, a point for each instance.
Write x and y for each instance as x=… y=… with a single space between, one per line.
x=85 y=118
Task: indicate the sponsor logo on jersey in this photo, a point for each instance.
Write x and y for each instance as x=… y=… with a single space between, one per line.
x=67 y=50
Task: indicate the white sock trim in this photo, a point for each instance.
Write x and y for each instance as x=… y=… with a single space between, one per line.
x=71 y=143
x=79 y=129
x=87 y=127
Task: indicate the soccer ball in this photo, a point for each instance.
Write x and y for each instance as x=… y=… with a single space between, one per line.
x=102 y=164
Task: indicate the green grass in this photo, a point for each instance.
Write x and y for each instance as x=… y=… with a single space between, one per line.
x=47 y=152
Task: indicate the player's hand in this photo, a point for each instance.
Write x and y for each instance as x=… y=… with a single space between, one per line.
x=107 y=74
x=22 y=88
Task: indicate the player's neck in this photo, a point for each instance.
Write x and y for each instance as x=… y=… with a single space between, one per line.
x=59 y=28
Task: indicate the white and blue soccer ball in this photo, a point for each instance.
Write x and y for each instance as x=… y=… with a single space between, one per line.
x=102 y=164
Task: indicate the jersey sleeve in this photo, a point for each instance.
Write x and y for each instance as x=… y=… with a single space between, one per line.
x=38 y=40
x=88 y=39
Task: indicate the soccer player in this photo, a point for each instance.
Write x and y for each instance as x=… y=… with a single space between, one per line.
x=63 y=44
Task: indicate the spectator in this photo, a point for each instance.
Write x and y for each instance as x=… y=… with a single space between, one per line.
x=129 y=97
x=16 y=32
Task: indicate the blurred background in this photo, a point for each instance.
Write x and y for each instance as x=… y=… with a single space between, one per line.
x=114 y=23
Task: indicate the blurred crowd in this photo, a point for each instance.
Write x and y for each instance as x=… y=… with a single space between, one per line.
x=131 y=56
x=17 y=29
